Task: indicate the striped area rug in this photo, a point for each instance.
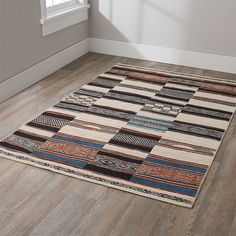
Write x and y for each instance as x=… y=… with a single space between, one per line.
x=135 y=129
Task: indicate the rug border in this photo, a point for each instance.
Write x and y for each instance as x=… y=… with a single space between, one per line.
x=181 y=74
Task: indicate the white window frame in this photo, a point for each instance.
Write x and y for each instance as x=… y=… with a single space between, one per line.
x=63 y=15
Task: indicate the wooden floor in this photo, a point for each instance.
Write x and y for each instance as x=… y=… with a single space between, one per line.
x=39 y=202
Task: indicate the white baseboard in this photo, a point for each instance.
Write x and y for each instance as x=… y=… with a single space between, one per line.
x=39 y=71
x=166 y=55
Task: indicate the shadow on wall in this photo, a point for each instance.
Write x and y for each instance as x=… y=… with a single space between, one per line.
x=189 y=25
x=147 y=22
x=103 y=24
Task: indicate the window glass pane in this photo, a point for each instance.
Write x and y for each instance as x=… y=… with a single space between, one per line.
x=50 y=3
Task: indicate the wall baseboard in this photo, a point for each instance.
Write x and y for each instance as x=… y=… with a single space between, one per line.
x=44 y=68
x=165 y=55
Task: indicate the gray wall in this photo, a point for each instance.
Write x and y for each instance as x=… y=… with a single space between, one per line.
x=21 y=41
x=195 y=25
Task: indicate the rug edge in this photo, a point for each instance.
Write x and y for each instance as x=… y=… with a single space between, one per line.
x=57 y=168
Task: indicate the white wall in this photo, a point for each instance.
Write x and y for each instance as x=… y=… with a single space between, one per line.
x=194 y=25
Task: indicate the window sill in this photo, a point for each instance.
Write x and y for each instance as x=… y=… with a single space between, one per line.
x=63 y=19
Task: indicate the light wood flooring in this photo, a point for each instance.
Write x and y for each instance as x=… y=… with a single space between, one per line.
x=39 y=202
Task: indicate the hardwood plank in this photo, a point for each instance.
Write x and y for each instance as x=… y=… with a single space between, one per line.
x=101 y=218
x=140 y=217
x=80 y=199
x=19 y=188
x=36 y=207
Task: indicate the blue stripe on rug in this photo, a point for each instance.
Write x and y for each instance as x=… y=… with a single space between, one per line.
x=62 y=160
x=147 y=127
x=164 y=186
x=86 y=143
x=154 y=119
x=182 y=166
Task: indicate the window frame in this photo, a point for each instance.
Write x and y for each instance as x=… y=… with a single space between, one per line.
x=60 y=16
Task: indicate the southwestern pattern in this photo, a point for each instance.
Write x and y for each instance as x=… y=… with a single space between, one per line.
x=135 y=129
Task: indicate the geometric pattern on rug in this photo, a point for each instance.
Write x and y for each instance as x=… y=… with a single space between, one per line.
x=135 y=129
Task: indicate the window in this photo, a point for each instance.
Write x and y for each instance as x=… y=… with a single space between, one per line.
x=50 y=3
x=53 y=6
x=59 y=14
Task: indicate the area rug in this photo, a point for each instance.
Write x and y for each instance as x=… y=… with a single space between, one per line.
x=135 y=129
